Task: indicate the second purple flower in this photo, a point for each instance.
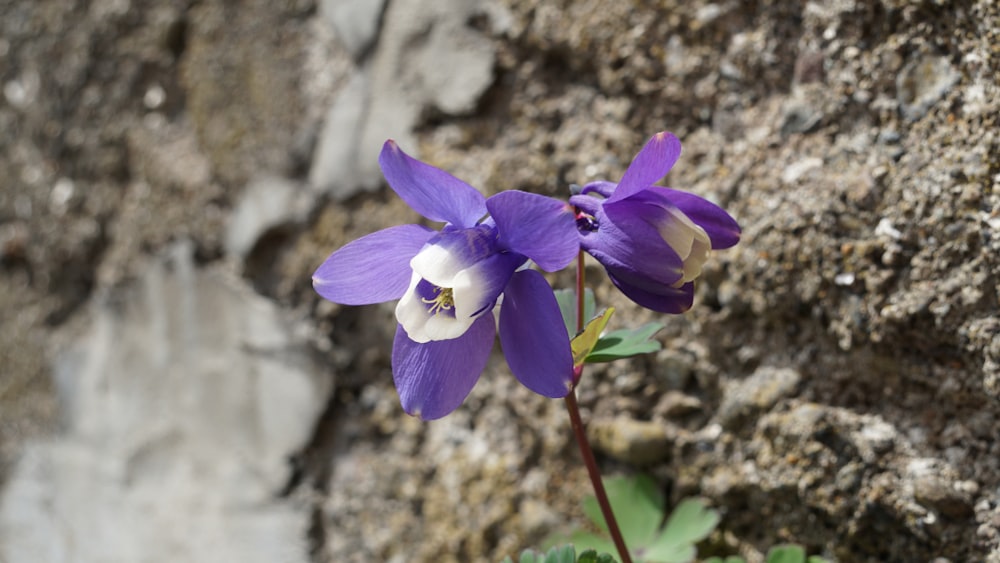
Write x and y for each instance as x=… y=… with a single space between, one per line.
x=652 y=241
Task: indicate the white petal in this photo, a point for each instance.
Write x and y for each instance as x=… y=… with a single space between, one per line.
x=689 y=241
x=695 y=261
x=468 y=292
x=444 y=327
x=411 y=313
x=438 y=265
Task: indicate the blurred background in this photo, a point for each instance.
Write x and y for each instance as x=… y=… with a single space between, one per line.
x=173 y=171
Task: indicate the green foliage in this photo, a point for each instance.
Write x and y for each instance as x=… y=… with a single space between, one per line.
x=567 y=306
x=778 y=554
x=639 y=509
x=626 y=343
x=594 y=347
x=564 y=554
x=787 y=554
x=591 y=556
x=585 y=342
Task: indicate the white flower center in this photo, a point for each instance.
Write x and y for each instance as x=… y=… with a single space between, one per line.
x=443 y=299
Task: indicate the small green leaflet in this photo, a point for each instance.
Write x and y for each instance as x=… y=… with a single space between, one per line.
x=626 y=343
x=623 y=343
x=564 y=554
x=791 y=553
x=638 y=507
x=591 y=556
x=583 y=343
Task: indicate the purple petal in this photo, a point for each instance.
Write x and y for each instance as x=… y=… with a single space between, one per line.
x=430 y=191
x=587 y=203
x=539 y=227
x=433 y=379
x=484 y=282
x=627 y=238
x=651 y=295
x=602 y=187
x=650 y=165
x=534 y=337
x=720 y=227
x=373 y=268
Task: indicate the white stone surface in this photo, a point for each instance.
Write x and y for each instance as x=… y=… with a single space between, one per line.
x=266 y=203
x=427 y=56
x=355 y=21
x=183 y=398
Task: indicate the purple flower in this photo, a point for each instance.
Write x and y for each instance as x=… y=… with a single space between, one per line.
x=448 y=282
x=652 y=241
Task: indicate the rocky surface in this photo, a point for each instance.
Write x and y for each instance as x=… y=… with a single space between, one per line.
x=837 y=383
x=183 y=397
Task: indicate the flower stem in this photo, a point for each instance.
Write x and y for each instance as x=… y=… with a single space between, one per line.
x=580 y=292
x=581 y=434
x=595 y=477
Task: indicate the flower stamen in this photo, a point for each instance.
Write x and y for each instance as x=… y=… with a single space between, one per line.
x=443 y=300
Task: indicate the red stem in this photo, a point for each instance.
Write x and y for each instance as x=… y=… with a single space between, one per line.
x=581 y=291
x=595 y=477
x=581 y=434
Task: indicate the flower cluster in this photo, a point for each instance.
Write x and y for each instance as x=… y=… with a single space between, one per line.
x=651 y=240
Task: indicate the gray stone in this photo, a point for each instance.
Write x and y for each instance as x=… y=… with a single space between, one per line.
x=266 y=203
x=183 y=398
x=355 y=22
x=426 y=58
x=346 y=159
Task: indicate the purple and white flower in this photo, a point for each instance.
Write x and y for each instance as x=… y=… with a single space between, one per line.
x=448 y=282
x=653 y=241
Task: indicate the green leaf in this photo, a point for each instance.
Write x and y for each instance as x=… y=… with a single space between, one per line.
x=690 y=522
x=564 y=554
x=583 y=343
x=637 y=505
x=786 y=554
x=626 y=343
x=639 y=509
x=567 y=306
x=591 y=542
x=729 y=559
x=591 y=556
x=817 y=559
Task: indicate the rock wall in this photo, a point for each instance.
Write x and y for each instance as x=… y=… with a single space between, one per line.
x=837 y=383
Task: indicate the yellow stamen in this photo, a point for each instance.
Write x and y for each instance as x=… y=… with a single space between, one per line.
x=443 y=301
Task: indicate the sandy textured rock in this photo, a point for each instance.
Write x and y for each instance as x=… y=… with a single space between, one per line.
x=241 y=76
x=636 y=442
x=756 y=394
